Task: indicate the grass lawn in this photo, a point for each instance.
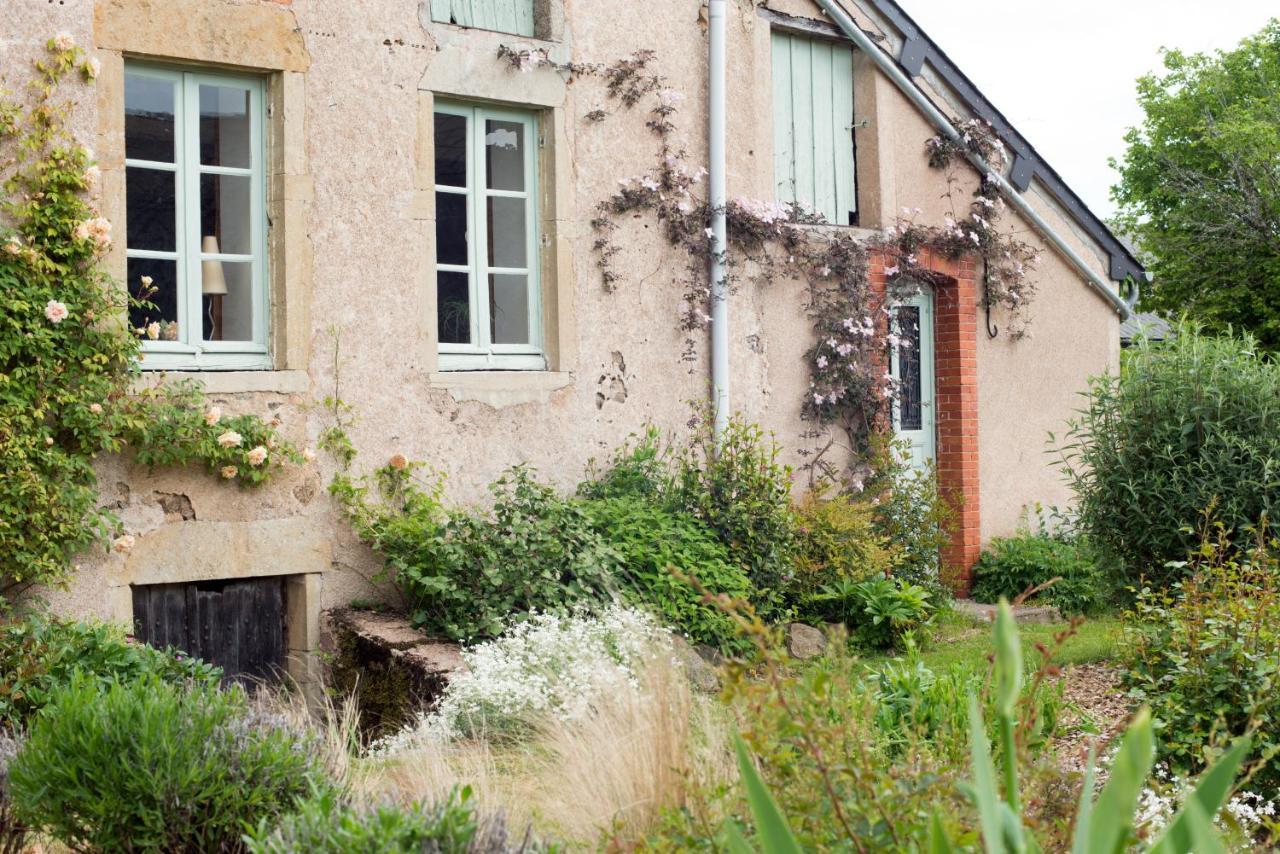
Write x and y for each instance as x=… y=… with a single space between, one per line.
x=958 y=640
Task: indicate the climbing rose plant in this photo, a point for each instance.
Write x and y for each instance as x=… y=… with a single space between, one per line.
x=67 y=356
x=850 y=387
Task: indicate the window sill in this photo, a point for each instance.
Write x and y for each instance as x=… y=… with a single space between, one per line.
x=233 y=382
x=501 y=388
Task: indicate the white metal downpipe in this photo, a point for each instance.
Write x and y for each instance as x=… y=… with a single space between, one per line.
x=719 y=236
x=889 y=67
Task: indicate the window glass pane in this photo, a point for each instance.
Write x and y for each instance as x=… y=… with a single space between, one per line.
x=227 y=300
x=225 y=214
x=508 y=238
x=909 y=404
x=504 y=155
x=509 y=307
x=451 y=150
x=224 y=126
x=451 y=228
x=148 y=118
x=163 y=296
x=453 y=307
x=151 y=209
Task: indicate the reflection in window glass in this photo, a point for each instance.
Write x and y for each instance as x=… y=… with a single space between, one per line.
x=509 y=308
x=451 y=150
x=453 y=307
x=148 y=118
x=910 y=401
x=153 y=209
x=225 y=138
x=451 y=228
x=504 y=155
x=162 y=296
x=508 y=232
x=226 y=213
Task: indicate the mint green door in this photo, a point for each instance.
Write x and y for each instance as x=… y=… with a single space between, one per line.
x=911 y=361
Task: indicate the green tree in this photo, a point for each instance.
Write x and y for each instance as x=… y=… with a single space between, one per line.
x=1200 y=185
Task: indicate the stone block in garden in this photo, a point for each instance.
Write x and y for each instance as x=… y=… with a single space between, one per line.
x=805 y=642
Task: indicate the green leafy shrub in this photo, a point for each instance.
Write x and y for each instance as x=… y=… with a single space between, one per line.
x=879 y=611
x=738 y=489
x=1012 y=565
x=912 y=517
x=1205 y=655
x=326 y=825
x=641 y=470
x=41 y=655
x=466 y=573
x=150 y=766
x=650 y=542
x=837 y=538
x=1188 y=423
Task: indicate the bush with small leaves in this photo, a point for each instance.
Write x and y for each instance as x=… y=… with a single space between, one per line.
x=325 y=824
x=1189 y=422
x=150 y=766
x=39 y=655
x=1012 y=565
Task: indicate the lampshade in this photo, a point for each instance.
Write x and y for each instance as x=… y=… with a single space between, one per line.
x=212 y=279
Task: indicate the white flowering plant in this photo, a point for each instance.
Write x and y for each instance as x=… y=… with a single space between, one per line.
x=548 y=667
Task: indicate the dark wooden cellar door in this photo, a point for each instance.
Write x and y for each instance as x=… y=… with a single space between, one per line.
x=238 y=625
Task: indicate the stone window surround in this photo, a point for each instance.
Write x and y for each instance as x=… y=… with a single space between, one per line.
x=466 y=68
x=264 y=40
x=216 y=34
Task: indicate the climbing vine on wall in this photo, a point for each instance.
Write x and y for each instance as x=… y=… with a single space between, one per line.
x=850 y=387
x=68 y=359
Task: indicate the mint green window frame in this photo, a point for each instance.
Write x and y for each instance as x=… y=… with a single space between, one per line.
x=482 y=353
x=504 y=16
x=191 y=352
x=813 y=153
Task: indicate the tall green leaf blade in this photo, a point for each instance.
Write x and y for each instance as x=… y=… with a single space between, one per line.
x=1084 y=815
x=939 y=843
x=1008 y=660
x=1112 y=818
x=983 y=790
x=775 y=833
x=1207 y=798
x=735 y=843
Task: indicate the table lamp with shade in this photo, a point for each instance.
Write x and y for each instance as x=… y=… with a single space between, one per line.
x=213 y=285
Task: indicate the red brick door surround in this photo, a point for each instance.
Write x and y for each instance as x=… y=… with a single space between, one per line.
x=956 y=403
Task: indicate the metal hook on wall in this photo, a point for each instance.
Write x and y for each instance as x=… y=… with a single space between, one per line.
x=992 y=329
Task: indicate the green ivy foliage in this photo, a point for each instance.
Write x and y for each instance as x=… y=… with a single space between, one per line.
x=67 y=357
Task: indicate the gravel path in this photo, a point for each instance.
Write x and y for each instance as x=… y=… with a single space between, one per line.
x=1095 y=690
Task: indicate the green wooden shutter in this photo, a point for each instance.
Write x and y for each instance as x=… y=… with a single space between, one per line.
x=504 y=16
x=813 y=125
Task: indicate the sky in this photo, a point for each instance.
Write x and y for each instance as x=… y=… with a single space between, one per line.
x=1063 y=72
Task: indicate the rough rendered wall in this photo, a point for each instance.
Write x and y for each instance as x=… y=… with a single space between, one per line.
x=619 y=363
